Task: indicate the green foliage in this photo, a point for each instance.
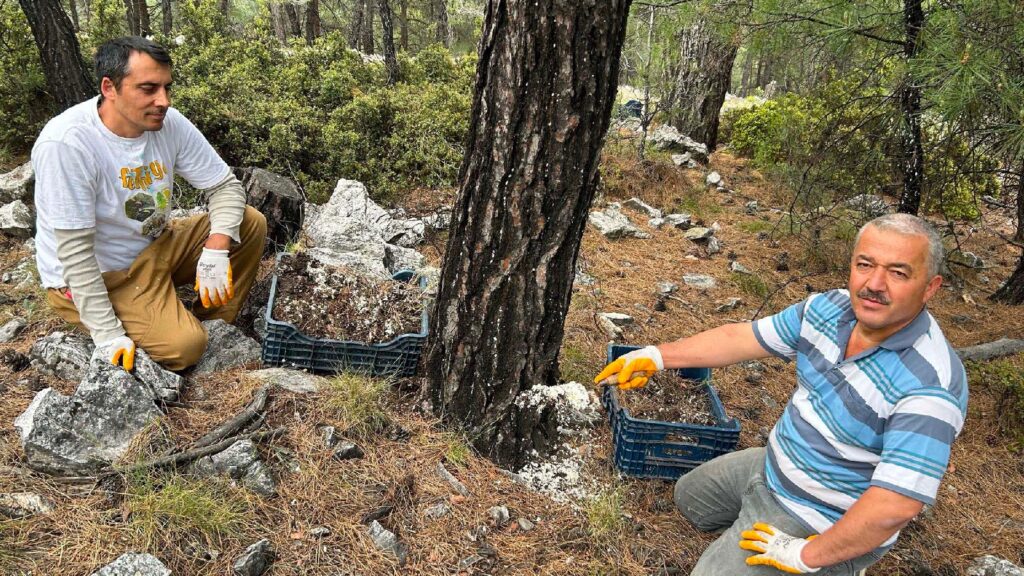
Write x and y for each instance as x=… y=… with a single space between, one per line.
x=24 y=103
x=750 y=284
x=1006 y=381
x=458 y=450
x=605 y=515
x=106 y=22
x=359 y=401
x=175 y=508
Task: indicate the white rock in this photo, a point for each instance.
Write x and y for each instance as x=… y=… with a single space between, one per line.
x=713 y=179
x=713 y=246
x=750 y=207
x=729 y=305
x=617 y=318
x=656 y=223
x=698 y=233
x=131 y=564
x=680 y=220
x=638 y=204
x=17 y=184
x=613 y=224
x=23 y=505
x=738 y=268
x=291 y=380
x=609 y=328
x=10 y=330
x=699 y=281
x=16 y=220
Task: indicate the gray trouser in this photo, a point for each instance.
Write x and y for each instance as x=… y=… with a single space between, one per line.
x=729 y=493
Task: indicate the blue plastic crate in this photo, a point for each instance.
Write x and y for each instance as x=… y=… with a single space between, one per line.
x=285 y=345
x=657 y=449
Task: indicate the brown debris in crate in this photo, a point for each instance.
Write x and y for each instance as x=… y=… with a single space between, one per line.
x=669 y=397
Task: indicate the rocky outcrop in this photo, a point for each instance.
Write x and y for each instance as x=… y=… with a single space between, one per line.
x=228 y=347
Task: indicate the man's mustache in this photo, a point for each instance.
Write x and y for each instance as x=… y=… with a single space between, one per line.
x=868 y=294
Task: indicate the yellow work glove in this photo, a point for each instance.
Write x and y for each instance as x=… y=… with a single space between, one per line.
x=776 y=549
x=633 y=369
x=213 y=278
x=120 y=352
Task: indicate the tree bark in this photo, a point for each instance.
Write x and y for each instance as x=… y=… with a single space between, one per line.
x=294 y=24
x=367 y=28
x=313 y=29
x=545 y=84
x=388 y=41
x=67 y=76
x=704 y=74
x=443 y=33
x=910 y=109
x=130 y=18
x=142 y=13
x=1012 y=292
x=404 y=25
x=355 y=33
x=168 y=17
x=279 y=20
x=73 y=9
x=1019 y=236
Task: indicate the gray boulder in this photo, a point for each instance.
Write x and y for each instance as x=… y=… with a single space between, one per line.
x=132 y=564
x=166 y=385
x=227 y=347
x=350 y=199
x=256 y=559
x=439 y=220
x=341 y=241
x=241 y=463
x=638 y=204
x=656 y=223
x=667 y=138
x=17 y=184
x=613 y=224
x=714 y=179
x=90 y=429
x=388 y=542
x=65 y=356
x=684 y=160
x=993 y=566
x=11 y=329
x=16 y=220
x=290 y=380
x=698 y=233
x=738 y=268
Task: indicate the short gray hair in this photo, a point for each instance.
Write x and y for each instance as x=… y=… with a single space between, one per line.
x=910 y=225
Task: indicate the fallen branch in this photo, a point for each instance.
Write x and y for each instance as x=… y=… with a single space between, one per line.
x=990 y=350
x=175 y=460
x=237 y=422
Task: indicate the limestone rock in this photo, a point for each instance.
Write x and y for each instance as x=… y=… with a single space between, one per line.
x=347 y=451
x=23 y=504
x=11 y=329
x=291 y=380
x=869 y=205
x=714 y=179
x=227 y=347
x=617 y=318
x=638 y=204
x=241 y=463
x=350 y=199
x=398 y=258
x=256 y=559
x=729 y=305
x=613 y=224
x=439 y=510
x=684 y=160
x=524 y=524
x=16 y=220
x=667 y=138
x=697 y=234
x=699 y=281
x=750 y=207
x=132 y=564
x=89 y=429
x=340 y=241
x=498 y=515
x=713 y=246
x=680 y=220
x=17 y=184
x=388 y=542
x=665 y=288
x=166 y=385
x=738 y=268
x=656 y=223
x=609 y=328
x=989 y=565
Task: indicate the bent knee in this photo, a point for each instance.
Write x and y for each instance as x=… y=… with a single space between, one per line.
x=183 y=349
x=691 y=509
x=254 y=222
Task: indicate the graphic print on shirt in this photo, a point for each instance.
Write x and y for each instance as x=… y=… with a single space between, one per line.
x=152 y=204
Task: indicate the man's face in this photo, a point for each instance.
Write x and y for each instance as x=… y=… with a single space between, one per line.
x=889 y=279
x=142 y=101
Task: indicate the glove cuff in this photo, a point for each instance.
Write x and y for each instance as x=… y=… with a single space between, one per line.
x=213 y=252
x=800 y=561
x=655 y=354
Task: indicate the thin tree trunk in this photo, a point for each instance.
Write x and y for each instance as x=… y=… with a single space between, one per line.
x=910 y=108
x=388 y=41
x=73 y=9
x=130 y=18
x=367 y=29
x=280 y=22
x=748 y=69
x=67 y=76
x=443 y=31
x=404 y=30
x=313 y=29
x=545 y=85
x=142 y=13
x=1012 y=292
x=704 y=74
x=294 y=23
x=168 y=17
x=355 y=33
x=1019 y=237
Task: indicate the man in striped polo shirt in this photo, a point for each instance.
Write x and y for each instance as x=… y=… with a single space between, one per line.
x=864 y=440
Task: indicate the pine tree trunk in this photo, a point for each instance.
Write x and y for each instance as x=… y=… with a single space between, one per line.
x=279 y=20
x=367 y=29
x=705 y=70
x=130 y=18
x=388 y=41
x=67 y=76
x=443 y=33
x=225 y=7
x=910 y=109
x=168 y=17
x=313 y=29
x=1013 y=291
x=355 y=33
x=142 y=12
x=294 y=23
x=748 y=70
x=73 y=9
x=1019 y=237
x=404 y=30
x=545 y=85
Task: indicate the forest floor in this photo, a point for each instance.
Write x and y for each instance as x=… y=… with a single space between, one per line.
x=621 y=526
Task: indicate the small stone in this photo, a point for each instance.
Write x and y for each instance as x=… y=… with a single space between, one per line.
x=713 y=179
x=609 y=328
x=256 y=559
x=131 y=564
x=656 y=223
x=713 y=246
x=638 y=204
x=750 y=207
x=665 y=287
x=770 y=402
x=617 y=318
x=698 y=233
x=6 y=278
x=11 y=329
x=989 y=565
x=699 y=281
x=348 y=451
x=388 y=542
x=23 y=504
x=439 y=510
x=738 y=268
x=499 y=515
x=330 y=436
x=524 y=524
x=291 y=380
x=782 y=262
x=680 y=220
x=320 y=532
x=729 y=305
x=452 y=481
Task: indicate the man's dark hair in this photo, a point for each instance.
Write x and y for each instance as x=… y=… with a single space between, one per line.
x=112 y=57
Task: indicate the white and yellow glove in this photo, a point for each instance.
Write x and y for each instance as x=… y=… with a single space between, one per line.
x=776 y=549
x=213 y=278
x=120 y=352
x=633 y=369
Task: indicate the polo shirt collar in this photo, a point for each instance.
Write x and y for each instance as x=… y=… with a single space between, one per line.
x=901 y=340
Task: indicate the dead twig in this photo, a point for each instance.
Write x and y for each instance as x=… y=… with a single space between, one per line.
x=175 y=460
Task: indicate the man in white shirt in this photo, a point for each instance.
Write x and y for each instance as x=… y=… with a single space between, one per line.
x=106 y=251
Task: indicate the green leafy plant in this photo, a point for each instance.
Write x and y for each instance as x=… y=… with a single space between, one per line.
x=605 y=515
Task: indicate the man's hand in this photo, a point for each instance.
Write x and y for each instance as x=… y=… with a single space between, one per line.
x=120 y=352
x=213 y=278
x=776 y=549
x=633 y=369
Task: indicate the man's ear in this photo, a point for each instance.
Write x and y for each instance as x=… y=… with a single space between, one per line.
x=107 y=88
x=933 y=286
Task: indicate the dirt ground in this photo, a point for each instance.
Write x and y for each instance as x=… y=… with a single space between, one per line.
x=628 y=527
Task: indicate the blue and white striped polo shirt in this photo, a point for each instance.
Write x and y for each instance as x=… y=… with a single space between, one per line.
x=885 y=417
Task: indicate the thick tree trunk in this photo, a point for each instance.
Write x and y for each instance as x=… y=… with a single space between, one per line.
x=705 y=70
x=313 y=29
x=545 y=85
x=443 y=31
x=67 y=76
x=294 y=23
x=910 y=109
x=168 y=17
x=404 y=25
x=388 y=41
x=1013 y=291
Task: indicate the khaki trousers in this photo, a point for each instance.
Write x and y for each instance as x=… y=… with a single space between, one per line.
x=144 y=296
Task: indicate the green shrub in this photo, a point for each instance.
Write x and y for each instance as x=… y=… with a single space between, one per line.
x=1006 y=381
x=25 y=105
